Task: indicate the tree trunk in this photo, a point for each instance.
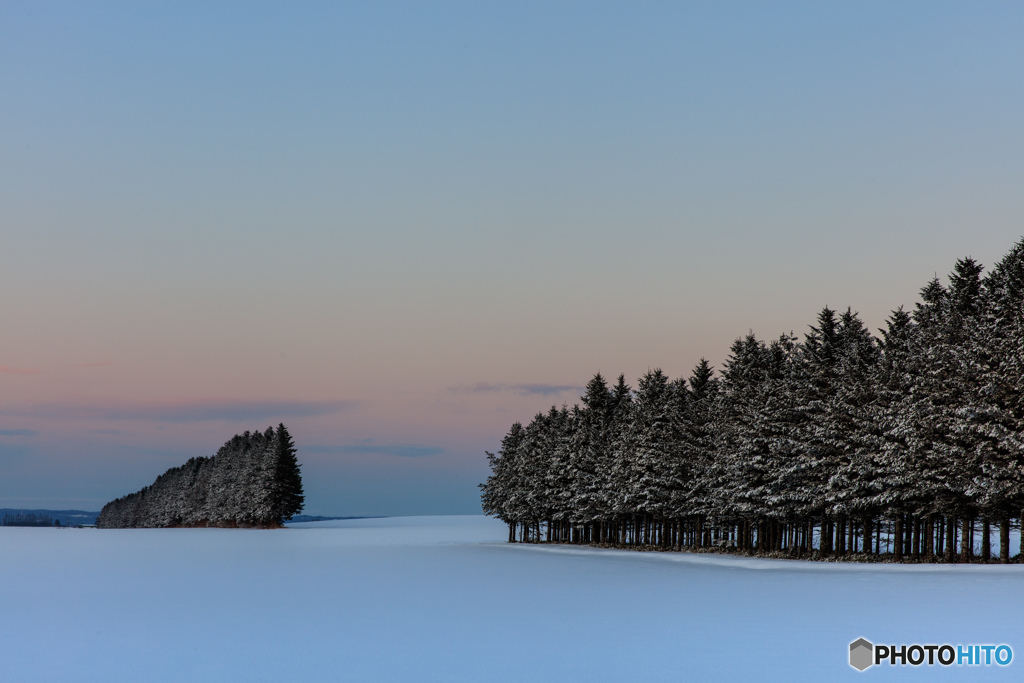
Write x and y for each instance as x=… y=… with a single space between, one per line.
x=929 y=536
x=950 y=538
x=1021 y=549
x=986 y=539
x=897 y=541
x=1004 y=539
x=867 y=534
x=965 y=541
x=915 y=543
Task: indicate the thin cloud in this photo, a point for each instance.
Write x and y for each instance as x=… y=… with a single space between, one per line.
x=18 y=432
x=9 y=453
x=8 y=370
x=101 y=364
x=400 y=450
x=521 y=389
x=185 y=411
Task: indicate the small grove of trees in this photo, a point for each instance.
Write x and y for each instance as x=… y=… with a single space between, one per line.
x=842 y=443
x=252 y=481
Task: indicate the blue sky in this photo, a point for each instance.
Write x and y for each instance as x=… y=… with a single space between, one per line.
x=401 y=227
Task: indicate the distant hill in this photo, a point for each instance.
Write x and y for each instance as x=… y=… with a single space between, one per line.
x=65 y=517
x=318 y=518
x=76 y=517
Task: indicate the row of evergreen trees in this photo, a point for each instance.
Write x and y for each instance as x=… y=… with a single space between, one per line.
x=252 y=481
x=835 y=444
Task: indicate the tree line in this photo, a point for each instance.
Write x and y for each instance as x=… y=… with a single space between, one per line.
x=28 y=519
x=254 y=480
x=906 y=445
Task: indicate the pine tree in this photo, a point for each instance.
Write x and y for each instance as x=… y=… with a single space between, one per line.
x=705 y=420
x=502 y=483
x=290 y=499
x=589 y=450
x=1001 y=414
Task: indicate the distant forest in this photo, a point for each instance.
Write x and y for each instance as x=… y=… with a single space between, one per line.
x=27 y=519
x=252 y=481
x=840 y=444
x=61 y=518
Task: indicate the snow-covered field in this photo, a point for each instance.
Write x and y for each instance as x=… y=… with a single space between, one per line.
x=445 y=599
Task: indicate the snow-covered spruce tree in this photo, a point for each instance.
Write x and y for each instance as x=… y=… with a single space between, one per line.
x=942 y=399
x=252 y=481
x=653 y=465
x=289 y=499
x=522 y=476
x=553 y=499
x=902 y=455
x=683 y=461
x=499 y=487
x=853 y=421
x=704 y=411
x=818 y=435
x=785 y=497
x=759 y=465
x=970 y=441
x=640 y=476
x=613 y=484
x=739 y=467
x=530 y=501
x=589 y=454
x=1001 y=414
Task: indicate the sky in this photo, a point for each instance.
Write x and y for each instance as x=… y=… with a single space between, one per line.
x=401 y=227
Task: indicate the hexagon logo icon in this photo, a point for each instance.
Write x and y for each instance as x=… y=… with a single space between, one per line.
x=861 y=654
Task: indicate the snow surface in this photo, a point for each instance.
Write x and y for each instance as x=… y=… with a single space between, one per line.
x=445 y=599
